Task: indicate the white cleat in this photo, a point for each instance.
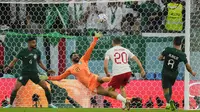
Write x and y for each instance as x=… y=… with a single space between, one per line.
x=52 y=106
x=8 y=106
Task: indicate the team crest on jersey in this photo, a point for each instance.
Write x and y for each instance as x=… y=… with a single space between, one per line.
x=35 y=56
x=77 y=69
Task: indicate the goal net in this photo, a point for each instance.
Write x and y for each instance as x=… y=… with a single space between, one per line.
x=194 y=53
x=62 y=27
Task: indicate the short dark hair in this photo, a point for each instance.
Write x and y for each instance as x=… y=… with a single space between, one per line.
x=72 y=54
x=30 y=39
x=178 y=41
x=117 y=41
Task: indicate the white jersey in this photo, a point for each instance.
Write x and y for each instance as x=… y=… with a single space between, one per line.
x=119 y=56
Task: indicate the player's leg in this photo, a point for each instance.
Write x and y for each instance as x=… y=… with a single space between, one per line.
x=166 y=94
x=43 y=84
x=125 y=80
x=122 y=90
x=173 y=80
x=170 y=91
x=14 y=92
x=103 y=79
x=22 y=80
x=113 y=94
x=166 y=85
x=172 y=105
x=123 y=93
x=47 y=93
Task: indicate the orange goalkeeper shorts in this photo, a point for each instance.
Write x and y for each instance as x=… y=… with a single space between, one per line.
x=93 y=83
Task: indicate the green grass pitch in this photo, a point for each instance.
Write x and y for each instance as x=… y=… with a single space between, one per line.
x=85 y=110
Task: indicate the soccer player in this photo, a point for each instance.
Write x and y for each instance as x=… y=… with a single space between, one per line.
x=30 y=57
x=172 y=56
x=93 y=82
x=121 y=71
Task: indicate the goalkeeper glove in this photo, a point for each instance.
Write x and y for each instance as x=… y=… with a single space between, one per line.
x=98 y=34
x=43 y=77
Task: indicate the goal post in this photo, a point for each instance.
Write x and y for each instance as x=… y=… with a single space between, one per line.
x=187 y=51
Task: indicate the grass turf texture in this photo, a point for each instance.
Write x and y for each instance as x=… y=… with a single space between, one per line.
x=86 y=110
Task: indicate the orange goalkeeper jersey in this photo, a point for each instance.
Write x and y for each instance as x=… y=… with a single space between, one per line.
x=81 y=70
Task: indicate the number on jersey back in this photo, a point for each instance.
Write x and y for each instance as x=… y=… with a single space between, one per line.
x=172 y=59
x=119 y=56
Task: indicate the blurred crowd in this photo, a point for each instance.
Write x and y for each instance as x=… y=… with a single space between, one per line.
x=136 y=102
x=124 y=18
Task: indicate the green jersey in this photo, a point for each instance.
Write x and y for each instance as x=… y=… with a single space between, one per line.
x=30 y=59
x=172 y=58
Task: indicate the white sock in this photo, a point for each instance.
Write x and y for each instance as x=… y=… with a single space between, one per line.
x=123 y=105
x=121 y=98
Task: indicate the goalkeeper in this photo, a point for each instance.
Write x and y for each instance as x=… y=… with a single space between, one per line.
x=81 y=70
x=30 y=57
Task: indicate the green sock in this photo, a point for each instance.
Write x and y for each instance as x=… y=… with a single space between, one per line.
x=170 y=92
x=167 y=97
x=48 y=95
x=12 y=97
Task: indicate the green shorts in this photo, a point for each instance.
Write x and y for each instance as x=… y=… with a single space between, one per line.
x=24 y=79
x=167 y=81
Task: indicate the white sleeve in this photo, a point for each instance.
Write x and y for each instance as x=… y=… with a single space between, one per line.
x=130 y=54
x=107 y=55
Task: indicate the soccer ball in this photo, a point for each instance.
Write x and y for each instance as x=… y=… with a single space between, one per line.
x=102 y=18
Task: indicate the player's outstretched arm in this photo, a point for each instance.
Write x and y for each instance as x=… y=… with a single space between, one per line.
x=11 y=64
x=189 y=69
x=88 y=53
x=60 y=77
x=140 y=65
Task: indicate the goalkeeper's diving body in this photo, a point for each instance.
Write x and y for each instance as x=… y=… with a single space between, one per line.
x=81 y=70
x=30 y=57
x=172 y=57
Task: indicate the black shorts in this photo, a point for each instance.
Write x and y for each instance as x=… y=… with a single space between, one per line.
x=167 y=81
x=24 y=79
